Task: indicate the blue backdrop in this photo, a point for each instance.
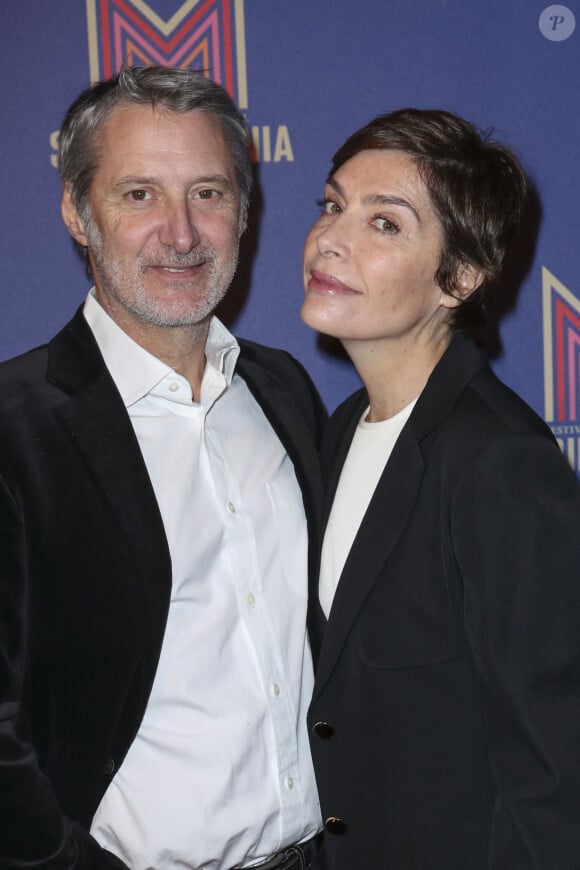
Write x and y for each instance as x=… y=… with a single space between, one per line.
x=306 y=74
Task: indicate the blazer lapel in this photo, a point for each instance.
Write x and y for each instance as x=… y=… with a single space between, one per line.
x=95 y=421
x=380 y=529
x=395 y=494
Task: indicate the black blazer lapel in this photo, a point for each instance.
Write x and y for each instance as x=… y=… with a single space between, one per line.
x=384 y=520
x=95 y=421
x=396 y=491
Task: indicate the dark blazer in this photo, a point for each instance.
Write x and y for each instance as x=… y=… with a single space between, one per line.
x=445 y=723
x=85 y=581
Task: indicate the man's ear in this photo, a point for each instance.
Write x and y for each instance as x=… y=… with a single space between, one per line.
x=71 y=217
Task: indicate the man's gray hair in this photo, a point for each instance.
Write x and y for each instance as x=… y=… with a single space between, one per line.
x=178 y=90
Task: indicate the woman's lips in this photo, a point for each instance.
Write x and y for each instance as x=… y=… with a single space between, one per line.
x=321 y=282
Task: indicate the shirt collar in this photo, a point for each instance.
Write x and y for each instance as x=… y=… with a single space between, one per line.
x=134 y=370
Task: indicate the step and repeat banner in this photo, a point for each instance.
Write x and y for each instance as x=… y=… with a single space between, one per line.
x=306 y=73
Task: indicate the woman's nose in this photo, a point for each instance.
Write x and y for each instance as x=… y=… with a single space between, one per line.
x=334 y=240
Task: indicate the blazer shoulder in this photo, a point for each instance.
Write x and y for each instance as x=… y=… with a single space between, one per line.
x=23 y=384
x=487 y=419
x=278 y=362
x=269 y=368
x=465 y=406
x=500 y=409
x=25 y=367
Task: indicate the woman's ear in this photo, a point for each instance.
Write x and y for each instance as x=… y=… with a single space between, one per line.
x=72 y=218
x=469 y=278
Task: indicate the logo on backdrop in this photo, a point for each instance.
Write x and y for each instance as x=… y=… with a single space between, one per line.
x=204 y=35
x=561 y=310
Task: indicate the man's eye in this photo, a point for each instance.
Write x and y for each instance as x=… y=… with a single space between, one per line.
x=139 y=195
x=207 y=193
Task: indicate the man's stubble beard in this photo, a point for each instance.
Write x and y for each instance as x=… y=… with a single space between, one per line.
x=128 y=291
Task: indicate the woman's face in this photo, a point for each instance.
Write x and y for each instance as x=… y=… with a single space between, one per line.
x=371 y=257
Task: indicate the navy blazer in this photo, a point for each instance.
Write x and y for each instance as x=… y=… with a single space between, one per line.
x=445 y=722
x=85 y=582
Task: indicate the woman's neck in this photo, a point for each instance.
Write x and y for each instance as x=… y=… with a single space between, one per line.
x=395 y=373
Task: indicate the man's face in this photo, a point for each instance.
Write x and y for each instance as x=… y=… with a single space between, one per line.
x=162 y=223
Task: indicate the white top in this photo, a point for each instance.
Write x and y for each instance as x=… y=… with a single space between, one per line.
x=220 y=772
x=369 y=452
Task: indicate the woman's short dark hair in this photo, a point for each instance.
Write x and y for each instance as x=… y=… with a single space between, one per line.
x=477 y=187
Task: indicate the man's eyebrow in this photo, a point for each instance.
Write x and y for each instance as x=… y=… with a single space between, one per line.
x=377 y=198
x=129 y=180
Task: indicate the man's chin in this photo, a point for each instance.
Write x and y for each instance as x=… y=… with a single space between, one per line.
x=175 y=316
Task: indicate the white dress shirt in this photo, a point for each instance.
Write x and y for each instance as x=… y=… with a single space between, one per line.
x=220 y=772
x=369 y=452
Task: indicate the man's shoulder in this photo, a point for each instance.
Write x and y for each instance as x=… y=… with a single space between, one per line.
x=275 y=362
x=262 y=353
x=27 y=367
x=38 y=371
x=268 y=369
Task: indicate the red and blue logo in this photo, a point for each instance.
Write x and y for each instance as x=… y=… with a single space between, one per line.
x=204 y=35
x=561 y=314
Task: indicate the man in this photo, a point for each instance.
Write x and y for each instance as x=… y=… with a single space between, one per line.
x=154 y=479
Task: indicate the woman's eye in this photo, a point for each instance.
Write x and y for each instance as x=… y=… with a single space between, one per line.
x=328 y=206
x=386 y=226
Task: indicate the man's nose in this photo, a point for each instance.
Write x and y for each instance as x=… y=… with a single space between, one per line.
x=178 y=230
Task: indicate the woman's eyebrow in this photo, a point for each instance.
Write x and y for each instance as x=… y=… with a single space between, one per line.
x=388 y=199
x=377 y=198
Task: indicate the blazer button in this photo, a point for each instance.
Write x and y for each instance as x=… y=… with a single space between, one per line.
x=323 y=730
x=109 y=767
x=334 y=825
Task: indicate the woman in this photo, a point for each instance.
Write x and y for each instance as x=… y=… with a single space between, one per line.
x=445 y=723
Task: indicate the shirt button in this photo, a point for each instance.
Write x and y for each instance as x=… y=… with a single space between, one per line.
x=289 y=782
x=173 y=386
x=276 y=689
x=250 y=599
x=231 y=507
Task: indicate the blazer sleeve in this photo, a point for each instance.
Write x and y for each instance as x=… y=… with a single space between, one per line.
x=516 y=533
x=34 y=832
